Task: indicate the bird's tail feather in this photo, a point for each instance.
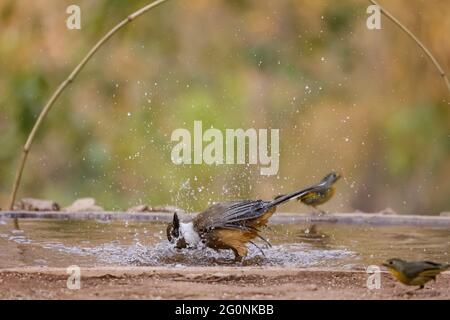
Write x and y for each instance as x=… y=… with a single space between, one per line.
x=286 y=197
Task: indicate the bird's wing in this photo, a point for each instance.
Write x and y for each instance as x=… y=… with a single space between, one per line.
x=424 y=269
x=231 y=215
x=314 y=192
x=441 y=266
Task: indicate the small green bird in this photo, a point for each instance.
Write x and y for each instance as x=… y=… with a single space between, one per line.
x=319 y=193
x=414 y=273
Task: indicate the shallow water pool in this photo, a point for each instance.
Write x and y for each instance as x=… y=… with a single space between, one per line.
x=89 y=243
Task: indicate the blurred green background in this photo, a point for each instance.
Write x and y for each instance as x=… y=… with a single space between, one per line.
x=366 y=103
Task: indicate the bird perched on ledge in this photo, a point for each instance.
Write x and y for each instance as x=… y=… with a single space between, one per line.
x=227 y=225
x=319 y=193
x=414 y=273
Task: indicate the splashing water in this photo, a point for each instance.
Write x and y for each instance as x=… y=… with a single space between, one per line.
x=59 y=243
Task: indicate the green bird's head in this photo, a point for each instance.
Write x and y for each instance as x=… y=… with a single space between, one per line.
x=331 y=177
x=395 y=263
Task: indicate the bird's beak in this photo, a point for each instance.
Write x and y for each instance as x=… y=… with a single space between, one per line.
x=384 y=264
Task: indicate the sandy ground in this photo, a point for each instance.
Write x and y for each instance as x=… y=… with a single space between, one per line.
x=209 y=283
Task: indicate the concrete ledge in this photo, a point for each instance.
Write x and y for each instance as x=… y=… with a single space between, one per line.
x=278 y=218
x=101 y=215
x=132 y=270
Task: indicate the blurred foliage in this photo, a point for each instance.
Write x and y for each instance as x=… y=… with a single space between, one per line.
x=367 y=103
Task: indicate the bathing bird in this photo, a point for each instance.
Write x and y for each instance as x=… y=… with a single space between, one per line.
x=227 y=225
x=414 y=273
x=320 y=193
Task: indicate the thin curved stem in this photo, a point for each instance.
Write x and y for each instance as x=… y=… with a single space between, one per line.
x=419 y=43
x=62 y=86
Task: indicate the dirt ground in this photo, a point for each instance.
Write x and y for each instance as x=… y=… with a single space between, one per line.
x=209 y=283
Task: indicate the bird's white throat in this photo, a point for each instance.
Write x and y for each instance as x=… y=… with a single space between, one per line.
x=191 y=236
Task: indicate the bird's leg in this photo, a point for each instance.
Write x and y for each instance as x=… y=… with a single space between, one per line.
x=319 y=212
x=421 y=287
x=265 y=240
x=315 y=212
x=262 y=252
x=413 y=291
x=237 y=256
